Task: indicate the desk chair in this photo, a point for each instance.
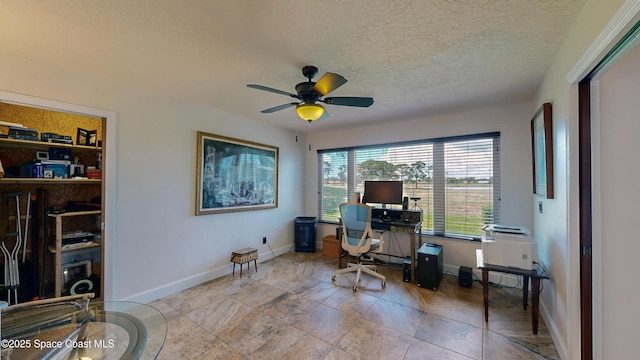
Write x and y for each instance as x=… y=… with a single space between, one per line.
x=357 y=241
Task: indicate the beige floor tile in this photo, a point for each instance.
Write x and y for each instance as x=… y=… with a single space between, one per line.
x=191 y=299
x=422 y=350
x=220 y=315
x=318 y=291
x=251 y=332
x=457 y=309
x=349 y=301
x=500 y=347
x=372 y=341
x=451 y=334
x=257 y=294
x=395 y=316
x=408 y=294
x=186 y=340
x=292 y=344
x=337 y=354
x=327 y=324
x=290 y=309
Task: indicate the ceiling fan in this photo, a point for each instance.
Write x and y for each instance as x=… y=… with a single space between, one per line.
x=309 y=93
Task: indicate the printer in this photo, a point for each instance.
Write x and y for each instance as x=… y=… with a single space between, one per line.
x=507 y=245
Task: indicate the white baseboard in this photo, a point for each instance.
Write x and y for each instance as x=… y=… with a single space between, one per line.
x=561 y=347
x=197 y=279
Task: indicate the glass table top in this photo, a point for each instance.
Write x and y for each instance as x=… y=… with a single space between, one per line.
x=73 y=330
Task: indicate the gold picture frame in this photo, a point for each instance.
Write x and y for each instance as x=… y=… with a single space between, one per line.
x=235 y=175
x=542 y=151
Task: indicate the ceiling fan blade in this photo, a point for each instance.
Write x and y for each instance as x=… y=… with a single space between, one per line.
x=349 y=101
x=265 y=88
x=277 y=108
x=329 y=82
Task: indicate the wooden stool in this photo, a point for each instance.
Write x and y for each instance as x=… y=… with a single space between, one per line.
x=244 y=256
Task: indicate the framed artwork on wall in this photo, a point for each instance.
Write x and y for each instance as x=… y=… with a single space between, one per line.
x=542 y=151
x=235 y=175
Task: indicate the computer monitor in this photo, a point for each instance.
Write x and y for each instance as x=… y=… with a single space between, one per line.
x=383 y=192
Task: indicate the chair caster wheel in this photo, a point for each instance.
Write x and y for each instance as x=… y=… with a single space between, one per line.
x=333 y=278
x=355 y=288
x=384 y=284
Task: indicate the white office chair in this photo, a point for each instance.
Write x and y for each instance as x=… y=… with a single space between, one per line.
x=356 y=239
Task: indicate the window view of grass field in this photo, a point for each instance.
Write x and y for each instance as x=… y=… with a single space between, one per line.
x=464 y=181
x=470 y=205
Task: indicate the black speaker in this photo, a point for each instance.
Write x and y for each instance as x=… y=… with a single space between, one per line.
x=405 y=203
x=429 y=269
x=465 y=276
x=305 y=233
x=406 y=270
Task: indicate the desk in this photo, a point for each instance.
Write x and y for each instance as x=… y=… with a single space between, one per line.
x=411 y=228
x=536 y=278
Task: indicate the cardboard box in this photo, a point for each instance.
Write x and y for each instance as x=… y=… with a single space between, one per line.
x=331 y=246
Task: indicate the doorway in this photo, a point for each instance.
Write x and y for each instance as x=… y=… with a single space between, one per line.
x=108 y=164
x=608 y=174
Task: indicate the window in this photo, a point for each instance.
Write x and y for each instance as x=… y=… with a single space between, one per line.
x=454 y=181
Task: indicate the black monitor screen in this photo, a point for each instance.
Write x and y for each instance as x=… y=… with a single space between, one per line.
x=383 y=192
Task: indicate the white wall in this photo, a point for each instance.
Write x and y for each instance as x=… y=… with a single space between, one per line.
x=512 y=121
x=158 y=245
x=556 y=231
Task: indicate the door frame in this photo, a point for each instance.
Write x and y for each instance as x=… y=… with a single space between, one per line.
x=595 y=60
x=109 y=165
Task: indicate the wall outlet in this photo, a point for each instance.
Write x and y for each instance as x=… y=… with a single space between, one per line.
x=264 y=240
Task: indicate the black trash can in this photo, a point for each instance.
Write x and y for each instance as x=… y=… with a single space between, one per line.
x=305 y=230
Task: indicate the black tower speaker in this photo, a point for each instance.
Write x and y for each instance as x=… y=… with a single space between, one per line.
x=406 y=270
x=465 y=276
x=429 y=270
x=305 y=233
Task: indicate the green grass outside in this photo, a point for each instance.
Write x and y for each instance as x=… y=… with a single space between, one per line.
x=333 y=196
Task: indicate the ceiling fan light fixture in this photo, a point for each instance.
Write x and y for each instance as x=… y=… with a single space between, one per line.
x=310 y=112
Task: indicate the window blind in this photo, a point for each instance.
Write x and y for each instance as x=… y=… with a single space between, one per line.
x=454 y=181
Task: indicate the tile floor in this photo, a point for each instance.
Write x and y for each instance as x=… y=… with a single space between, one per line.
x=290 y=309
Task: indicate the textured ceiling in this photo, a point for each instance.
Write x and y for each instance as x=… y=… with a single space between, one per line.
x=412 y=57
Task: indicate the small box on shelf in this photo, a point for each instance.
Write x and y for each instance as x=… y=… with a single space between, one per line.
x=94 y=174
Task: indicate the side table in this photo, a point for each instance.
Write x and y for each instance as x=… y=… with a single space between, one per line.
x=535 y=276
x=244 y=256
